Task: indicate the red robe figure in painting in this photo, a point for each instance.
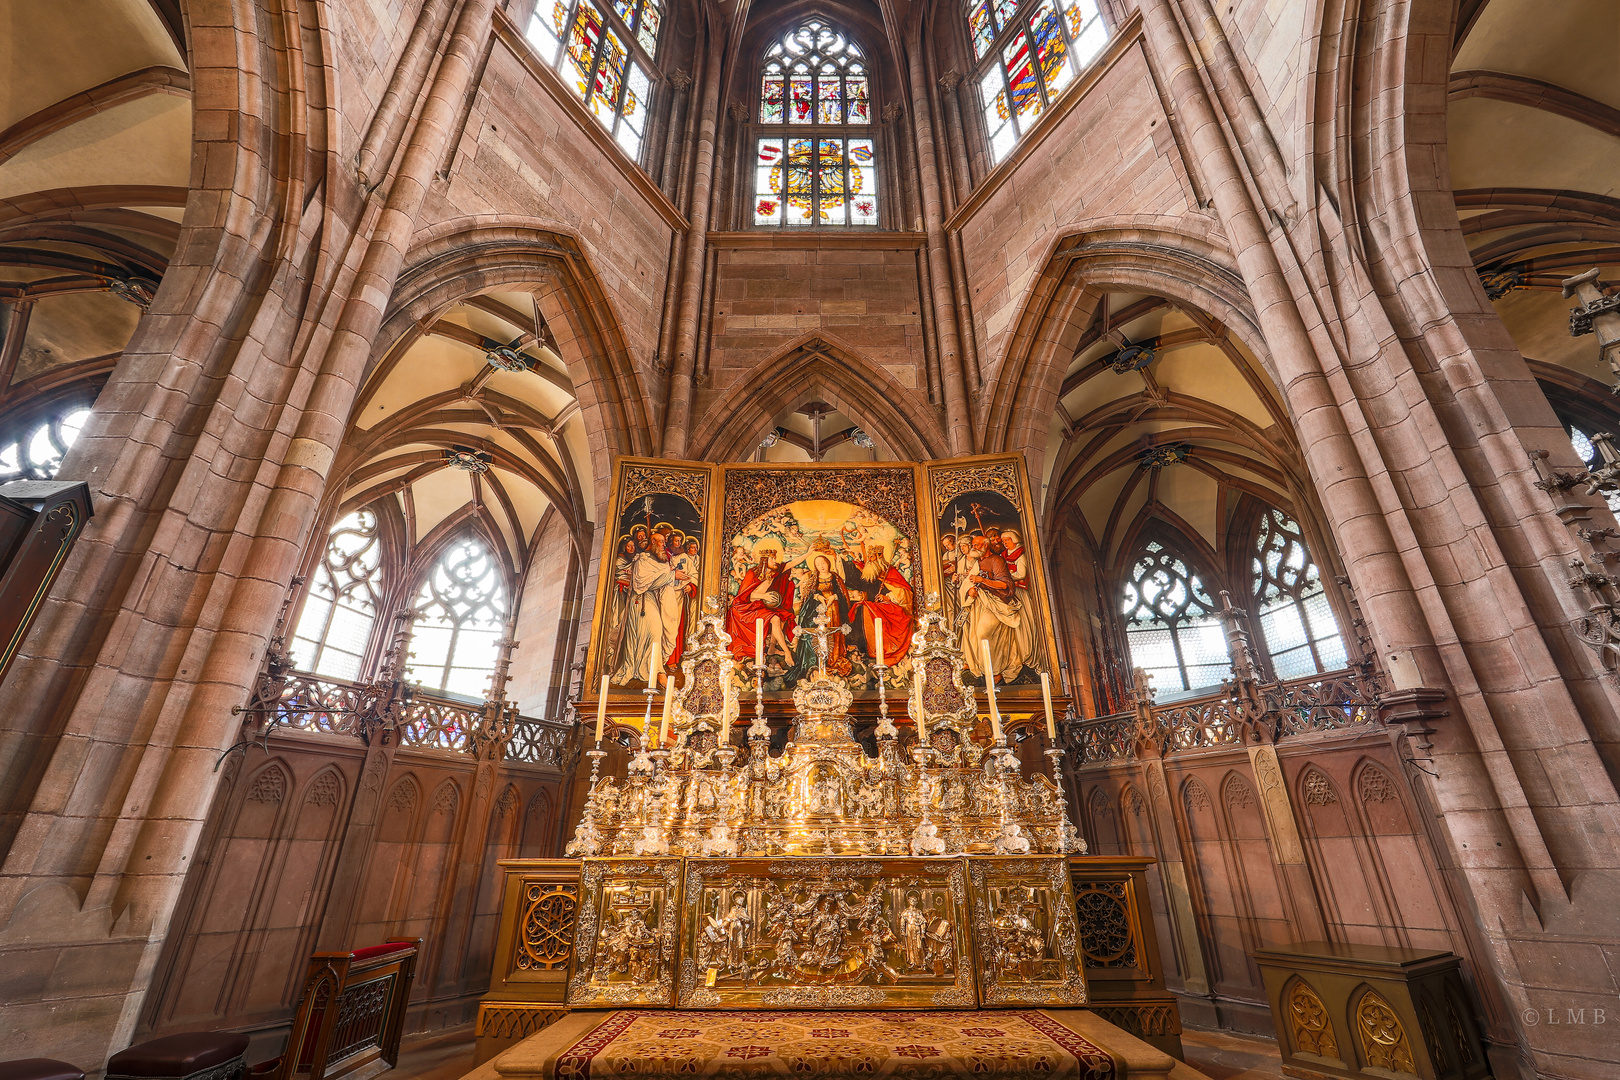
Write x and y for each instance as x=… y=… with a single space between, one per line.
x=765 y=595
x=884 y=596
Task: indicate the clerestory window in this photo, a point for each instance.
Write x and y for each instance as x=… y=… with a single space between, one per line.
x=606 y=54
x=460 y=614
x=1295 y=619
x=35 y=452
x=815 y=159
x=1028 y=52
x=1171 y=625
x=344 y=597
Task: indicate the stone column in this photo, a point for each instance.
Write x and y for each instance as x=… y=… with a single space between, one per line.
x=678 y=416
x=1173 y=872
x=1286 y=849
x=958 y=418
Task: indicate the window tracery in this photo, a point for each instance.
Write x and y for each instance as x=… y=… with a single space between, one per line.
x=606 y=55
x=459 y=616
x=1587 y=451
x=1296 y=620
x=341 y=607
x=815 y=162
x=35 y=452
x=1170 y=623
x=1028 y=52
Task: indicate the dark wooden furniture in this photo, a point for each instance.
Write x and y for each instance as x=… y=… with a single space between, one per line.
x=39 y=521
x=529 y=975
x=1124 y=973
x=352 y=1011
x=191 y=1055
x=39 y=1069
x=1355 y=1010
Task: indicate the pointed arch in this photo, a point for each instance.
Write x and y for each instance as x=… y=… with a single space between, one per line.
x=819 y=365
x=1168 y=257
x=471 y=255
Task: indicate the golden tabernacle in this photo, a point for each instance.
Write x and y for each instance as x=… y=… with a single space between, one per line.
x=720 y=876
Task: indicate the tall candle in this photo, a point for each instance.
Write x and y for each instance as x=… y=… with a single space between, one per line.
x=601 y=709
x=1046 y=696
x=652 y=666
x=759 y=642
x=990 y=689
x=669 y=708
x=917 y=696
x=877 y=624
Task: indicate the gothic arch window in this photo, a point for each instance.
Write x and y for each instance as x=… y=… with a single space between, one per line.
x=606 y=55
x=1582 y=439
x=459 y=616
x=34 y=451
x=1028 y=52
x=341 y=607
x=1171 y=625
x=1296 y=622
x=816 y=158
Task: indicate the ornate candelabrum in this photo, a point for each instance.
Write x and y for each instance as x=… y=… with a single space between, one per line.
x=1069 y=841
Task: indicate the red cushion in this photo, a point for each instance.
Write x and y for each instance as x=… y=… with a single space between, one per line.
x=178 y=1055
x=39 y=1069
x=381 y=950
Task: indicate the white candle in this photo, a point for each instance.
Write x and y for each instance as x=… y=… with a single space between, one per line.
x=652 y=666
x=601 y=709
x=990 y=690
x=1046 y=696
x=669 y=708
x=759 y=642
x=877 y=624
x=917 y=695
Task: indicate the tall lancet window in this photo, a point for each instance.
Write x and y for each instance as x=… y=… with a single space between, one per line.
x=1296 y=620
x=1028 y=52
x=816 y=163
x=341 y=608
x=460 y=613
x=1171 y=625
x=605 y=53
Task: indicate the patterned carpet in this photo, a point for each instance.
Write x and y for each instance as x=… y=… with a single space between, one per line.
x=734 y=1045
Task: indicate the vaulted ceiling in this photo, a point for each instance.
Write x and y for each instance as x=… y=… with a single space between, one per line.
x=1534 y=146
x=95 y=153
x=436 y=405
x=1164 y=415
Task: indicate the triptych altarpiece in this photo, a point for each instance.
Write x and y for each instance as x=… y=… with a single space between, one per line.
x=776 y=546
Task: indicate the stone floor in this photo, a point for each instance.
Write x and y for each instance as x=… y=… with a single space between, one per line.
x=443 y=1055
x=1220 y=1055
x=1225 y=1055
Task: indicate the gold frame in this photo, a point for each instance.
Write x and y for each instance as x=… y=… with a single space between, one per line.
x=935 y=476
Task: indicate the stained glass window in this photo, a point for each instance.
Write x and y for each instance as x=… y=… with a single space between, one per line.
x=1043 y=46
x=1296 y=621
x=605 y=55
x=341 y=608
x=815 y=79
x=1171 y=625
x=36 y=451
x=460 y=614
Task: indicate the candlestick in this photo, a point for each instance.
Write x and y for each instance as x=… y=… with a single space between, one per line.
x=601 y=709
x=1046 y=697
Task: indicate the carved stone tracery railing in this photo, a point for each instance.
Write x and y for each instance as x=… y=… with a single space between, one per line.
x=1330 y=702
x=329 y=706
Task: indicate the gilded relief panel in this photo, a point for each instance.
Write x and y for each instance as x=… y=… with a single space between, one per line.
x=628 y=924
x=1028 y=950
x=826 y=933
